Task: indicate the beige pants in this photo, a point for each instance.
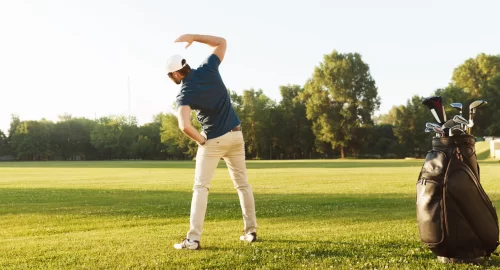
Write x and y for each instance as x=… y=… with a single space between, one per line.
x=231 y=148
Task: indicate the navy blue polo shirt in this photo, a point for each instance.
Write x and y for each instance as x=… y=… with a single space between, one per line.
x=204 y=91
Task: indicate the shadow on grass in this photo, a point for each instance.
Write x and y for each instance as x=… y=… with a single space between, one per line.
x=493 y=261
x=225 y=206
x=387 y=252
x=268 y=164
x=375 y=251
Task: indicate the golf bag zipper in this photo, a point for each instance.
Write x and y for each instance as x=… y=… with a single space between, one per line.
x=444 y=217
x=424 y=181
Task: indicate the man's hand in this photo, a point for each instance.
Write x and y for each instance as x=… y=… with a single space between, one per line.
x=186 y=38
x=218 y=43
x=184 y=119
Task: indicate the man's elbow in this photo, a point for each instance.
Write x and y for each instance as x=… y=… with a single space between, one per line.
x=184 y=127
x=222 y=41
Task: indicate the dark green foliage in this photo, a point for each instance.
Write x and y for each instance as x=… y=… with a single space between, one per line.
x=330 y=116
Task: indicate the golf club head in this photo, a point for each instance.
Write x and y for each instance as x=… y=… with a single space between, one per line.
x=439 y=130
x=457 y=106
x=435 y=105
x=450 y=123
x=431 y=125
x=460 y=120
x=476 y=104
x=472 y=111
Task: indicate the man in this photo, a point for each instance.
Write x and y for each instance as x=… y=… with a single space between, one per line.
x=203 y=90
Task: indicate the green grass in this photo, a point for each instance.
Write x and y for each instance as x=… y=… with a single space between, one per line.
x=127 y=215
x=483 y=150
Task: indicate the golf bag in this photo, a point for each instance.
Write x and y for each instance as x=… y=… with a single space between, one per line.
x=456 y=218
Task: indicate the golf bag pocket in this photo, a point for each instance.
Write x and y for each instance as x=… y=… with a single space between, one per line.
x=430 y=212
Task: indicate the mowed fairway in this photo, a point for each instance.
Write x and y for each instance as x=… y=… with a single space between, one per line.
x=127 y=215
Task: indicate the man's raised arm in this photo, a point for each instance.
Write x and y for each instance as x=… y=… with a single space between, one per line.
x=218 y=43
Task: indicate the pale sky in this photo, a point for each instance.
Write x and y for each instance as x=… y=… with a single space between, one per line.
x=75 y=56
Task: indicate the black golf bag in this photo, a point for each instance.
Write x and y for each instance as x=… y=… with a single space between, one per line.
x=456 y=218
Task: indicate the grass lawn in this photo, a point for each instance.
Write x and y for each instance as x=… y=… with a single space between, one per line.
x=352 y=214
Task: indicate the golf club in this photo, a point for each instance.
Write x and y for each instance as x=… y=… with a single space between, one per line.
x=434 y=128
x=462 y=121
x=448 y=124
x=439 y=131
x=472 y=111
x=431 y=125
x=437 y=128
x=435 y=105
x=428 y=130
x=457 y=106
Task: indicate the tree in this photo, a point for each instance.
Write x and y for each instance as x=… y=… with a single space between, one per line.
x=114 y=136
x=340 y=96
x=83 y=146
x=255 y=114
x=410 y=127
x=475 y=73
x=4 y=144
x=31 y=140
x=295 y=135
x=389 y=118
x=488 y=117
x=178 y=144
x=384 y=142
x=15 y=121
x=236 y=101
x=478 y=77
x=148 y=144
x=71 y=138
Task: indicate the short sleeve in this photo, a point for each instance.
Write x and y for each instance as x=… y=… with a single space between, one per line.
x=212 y=62
x=182 y=101
x=187 y=98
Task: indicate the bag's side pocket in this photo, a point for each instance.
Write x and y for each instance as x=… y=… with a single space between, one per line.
x=429 y=201
x=430 y=212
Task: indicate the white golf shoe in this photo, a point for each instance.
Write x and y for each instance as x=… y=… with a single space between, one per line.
x=249 y=237
x=188 y=244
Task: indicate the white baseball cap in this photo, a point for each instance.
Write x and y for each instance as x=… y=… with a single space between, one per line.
x=174 y=63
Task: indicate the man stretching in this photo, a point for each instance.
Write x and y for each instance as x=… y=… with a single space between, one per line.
x=203 y=90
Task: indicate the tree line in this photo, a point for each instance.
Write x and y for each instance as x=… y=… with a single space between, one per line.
x=477 y=78
x=330 y=116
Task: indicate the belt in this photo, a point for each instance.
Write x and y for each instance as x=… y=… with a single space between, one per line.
x=237 y=128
